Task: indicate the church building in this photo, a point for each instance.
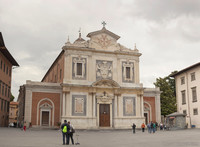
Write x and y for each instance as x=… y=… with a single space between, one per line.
x=92 y=83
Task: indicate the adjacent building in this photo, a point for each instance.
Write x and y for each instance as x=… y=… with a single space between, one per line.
x=13 y=112
x=92 y=83
x=188 y=93
x=6 y=63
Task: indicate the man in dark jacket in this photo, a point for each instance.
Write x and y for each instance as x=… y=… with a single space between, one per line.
x=65 y=132
x=133 y=127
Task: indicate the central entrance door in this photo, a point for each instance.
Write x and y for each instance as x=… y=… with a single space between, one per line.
x=45 y=118
x=104 y=115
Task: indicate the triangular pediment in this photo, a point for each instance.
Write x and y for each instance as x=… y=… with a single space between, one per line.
x=103 y=31
x=106 y=83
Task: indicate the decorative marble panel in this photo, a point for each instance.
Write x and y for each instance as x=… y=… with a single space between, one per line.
x=78 y=105
x=79 y=68
x=104 y=69
x=129 y=106
x=127 y=72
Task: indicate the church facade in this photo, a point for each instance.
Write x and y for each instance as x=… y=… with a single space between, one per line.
x=93 y=84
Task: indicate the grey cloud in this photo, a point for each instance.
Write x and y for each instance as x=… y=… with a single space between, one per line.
x=164 y=10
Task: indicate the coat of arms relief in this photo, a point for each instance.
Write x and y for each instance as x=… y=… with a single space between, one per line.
x=103 y=69
x=104 y=41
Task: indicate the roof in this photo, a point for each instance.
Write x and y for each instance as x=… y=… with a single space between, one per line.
x=104 y=30
x=14 y=103
x=6 y=53
x=176 y=114
x=186 y=69
x=62 y=52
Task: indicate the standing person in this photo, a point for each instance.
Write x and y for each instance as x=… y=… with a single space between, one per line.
x=154 y=127
x=143 y=127
x=65 y=130
x=71 y=131
x=24 y=126
x=133 y=127
x=149 y=127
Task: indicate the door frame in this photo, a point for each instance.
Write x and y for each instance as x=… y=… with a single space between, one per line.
x=45 y=110
x=100 y=114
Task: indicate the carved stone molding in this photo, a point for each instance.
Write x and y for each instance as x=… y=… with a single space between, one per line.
x=103 y=69
x=106 y=83
x=104 y=97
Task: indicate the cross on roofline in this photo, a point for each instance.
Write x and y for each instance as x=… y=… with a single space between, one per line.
x=104 y=24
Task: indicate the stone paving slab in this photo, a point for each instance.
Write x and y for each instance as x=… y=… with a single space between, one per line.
x=14 y=137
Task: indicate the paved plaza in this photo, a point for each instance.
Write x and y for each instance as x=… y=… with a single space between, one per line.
x=14 y=137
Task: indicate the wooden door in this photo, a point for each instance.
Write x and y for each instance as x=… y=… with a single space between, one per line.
x=45 y=118
x=104 y=115
x=146 y=118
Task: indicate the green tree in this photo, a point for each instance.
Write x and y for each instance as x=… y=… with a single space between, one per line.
x=11 y=97
x=168 y=95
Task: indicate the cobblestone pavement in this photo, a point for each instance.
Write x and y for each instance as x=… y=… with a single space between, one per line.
x=14 y=137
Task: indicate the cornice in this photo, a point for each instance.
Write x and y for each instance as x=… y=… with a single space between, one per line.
x=117 y=52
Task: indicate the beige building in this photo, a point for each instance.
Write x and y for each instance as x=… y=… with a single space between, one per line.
x=13 y=112
x=188 y=93
x=7 y=62
x=93 y=84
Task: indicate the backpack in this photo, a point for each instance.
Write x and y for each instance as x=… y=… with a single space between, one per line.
x=64 y=129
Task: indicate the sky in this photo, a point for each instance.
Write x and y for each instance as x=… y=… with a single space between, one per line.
x=165 y=32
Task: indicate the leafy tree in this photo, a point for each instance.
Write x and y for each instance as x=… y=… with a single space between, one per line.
x=11 y=97
x=168 y=95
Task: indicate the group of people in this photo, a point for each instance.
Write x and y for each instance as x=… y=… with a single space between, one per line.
x=67 y=132
x=151 y=127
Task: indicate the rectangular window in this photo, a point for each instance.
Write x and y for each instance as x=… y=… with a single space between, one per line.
x=185 y=112
x=7 y=70
x=8 y=106
x=128 y=74
x=193 y=76
x=183 y=97
x=1 y=104
x=194 y=94
x=2 y=88
x=60 y=73
x=1 y=64
x=9 y=92
x=182 y=80
x=195 y=111
x=4 y=67
x=10 y=72
x=5 y=106
x=79 y=69
x=5 y=90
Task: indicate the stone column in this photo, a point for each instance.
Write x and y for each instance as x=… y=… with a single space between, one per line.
x=64 y=106
x=94 y=105
x=142 y=105
x=158 y=111
x=68 y=104
x=28 y=107
x=115 y=106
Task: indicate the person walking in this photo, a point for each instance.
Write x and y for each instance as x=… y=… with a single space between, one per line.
x=65 y=132
x=133 y=127
x=143 y=127
x=71 y=131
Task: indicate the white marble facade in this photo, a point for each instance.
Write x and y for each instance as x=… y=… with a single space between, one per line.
x=107 y=78
x=101 y=84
